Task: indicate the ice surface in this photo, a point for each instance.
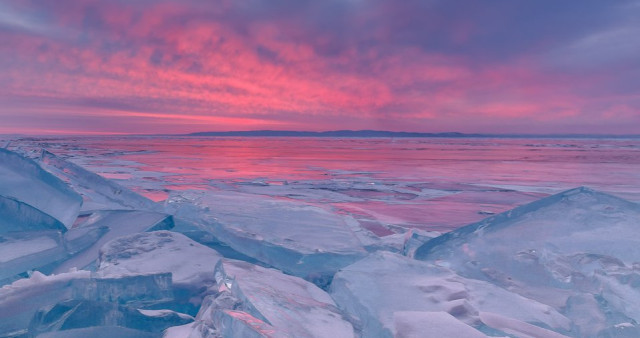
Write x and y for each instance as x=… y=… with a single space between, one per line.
x=266 y=302
x=577 y=251
x=119 y=223
x=414 y=324
x=190 y=263
x=370 y=291
x=97 y=191
x=21 y=179
x=295 y=237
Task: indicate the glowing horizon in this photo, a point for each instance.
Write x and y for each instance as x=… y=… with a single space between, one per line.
x=97 y=67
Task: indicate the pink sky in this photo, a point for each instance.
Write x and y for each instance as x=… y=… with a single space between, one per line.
x=100 y=67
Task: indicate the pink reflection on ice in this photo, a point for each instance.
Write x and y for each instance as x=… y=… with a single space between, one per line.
x=470 y=178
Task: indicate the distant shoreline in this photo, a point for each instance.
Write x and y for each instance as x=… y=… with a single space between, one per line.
x=393 y=134
x=337 y=134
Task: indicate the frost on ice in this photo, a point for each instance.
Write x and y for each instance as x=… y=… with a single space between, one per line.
x=81 y=256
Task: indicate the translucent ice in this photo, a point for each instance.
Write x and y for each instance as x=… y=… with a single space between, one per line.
x=97 y=191
x=575 y=221
x=295 y=237
x=372 y=290
x=190 y=263
x=24 y=251
x=22 y=299
x=75 y=314
x=119 y=223
x=19 y=216
x=577 y=251
x=266 y=302
x=23 y=180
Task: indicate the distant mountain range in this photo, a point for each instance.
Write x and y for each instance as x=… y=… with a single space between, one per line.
x=381 y=133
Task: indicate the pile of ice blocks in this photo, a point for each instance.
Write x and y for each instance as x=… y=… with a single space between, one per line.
x=81 y=256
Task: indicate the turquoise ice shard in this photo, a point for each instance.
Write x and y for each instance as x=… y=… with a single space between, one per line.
x=80 y=313
x=577 y=220
x=98 y=192
x=22 y=299
x=23 y=180
x=577 y=251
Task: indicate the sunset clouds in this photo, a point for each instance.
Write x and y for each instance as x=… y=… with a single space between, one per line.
x=182 y=66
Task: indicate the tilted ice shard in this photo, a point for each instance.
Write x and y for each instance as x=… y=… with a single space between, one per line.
x=98 y=192
x=190 y=263
x=295 y=237
x=266 y=302
x=23 y=180
x=577 y=251
x=370 y=291
x=119 y=223
x=19 y=216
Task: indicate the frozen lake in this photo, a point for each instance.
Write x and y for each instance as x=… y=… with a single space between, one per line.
x=318 y=237
x=429 y=183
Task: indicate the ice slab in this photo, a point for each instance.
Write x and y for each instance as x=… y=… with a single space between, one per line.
x=76 y=314
x=577 y=251
x=295 y=237
x=23 y=180
x=24 y=251
x=100 y=332
x=265 y=302
x=20 y=300
x=370 y=291
x=97 y=191
x=190 y=263
x=119 y=223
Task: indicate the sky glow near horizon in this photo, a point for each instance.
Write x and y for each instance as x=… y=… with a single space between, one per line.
x=169 y=66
